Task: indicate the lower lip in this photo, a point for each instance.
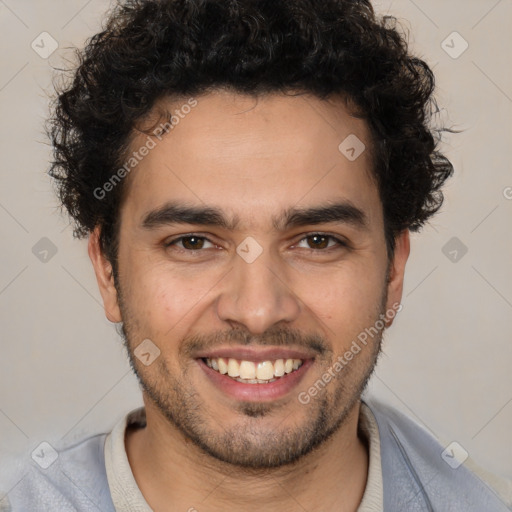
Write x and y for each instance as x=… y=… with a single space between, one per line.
x=256 y=392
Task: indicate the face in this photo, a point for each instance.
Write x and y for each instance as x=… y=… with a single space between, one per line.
x=252 y=255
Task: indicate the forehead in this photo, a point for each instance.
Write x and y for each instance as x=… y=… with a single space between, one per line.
x=253 y=156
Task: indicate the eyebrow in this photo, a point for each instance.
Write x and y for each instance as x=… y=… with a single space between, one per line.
x=344 y=212
x=341 y=212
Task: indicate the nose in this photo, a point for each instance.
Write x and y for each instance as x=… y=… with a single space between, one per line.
x=257 y=295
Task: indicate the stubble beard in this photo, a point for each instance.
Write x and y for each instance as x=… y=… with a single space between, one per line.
x=250 y=444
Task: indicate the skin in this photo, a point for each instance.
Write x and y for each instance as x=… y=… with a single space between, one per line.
x=251 y=159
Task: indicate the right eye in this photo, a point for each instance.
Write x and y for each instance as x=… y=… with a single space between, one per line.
x=190 y=243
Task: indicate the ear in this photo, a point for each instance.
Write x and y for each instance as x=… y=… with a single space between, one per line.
x=104 y=276
x=396 y=272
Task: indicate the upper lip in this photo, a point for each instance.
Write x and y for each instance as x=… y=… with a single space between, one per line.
x=255 y=353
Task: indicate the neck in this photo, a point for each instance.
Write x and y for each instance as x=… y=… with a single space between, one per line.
x=169 y=469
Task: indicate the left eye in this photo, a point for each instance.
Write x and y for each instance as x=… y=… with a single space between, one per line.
x=319 y=241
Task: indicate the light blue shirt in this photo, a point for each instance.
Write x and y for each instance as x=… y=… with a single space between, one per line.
x=418 y=475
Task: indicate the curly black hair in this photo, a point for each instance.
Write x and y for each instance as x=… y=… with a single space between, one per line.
x=150 y=49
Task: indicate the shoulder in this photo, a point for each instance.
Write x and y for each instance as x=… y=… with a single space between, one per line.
x=67 y=478
x=419 y=473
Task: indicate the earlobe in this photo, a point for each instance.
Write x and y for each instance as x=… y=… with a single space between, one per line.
x=397 y=271
x=104 y=277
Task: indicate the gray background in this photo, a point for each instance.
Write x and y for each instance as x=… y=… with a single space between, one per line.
x=447 y=359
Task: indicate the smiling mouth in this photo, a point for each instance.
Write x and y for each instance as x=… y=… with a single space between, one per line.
x=253 y=372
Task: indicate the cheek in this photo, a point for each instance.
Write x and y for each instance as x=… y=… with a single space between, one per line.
x=345 y=301
x=165 y=300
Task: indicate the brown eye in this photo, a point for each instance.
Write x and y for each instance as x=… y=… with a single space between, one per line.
x=318 y=241
x=192 y=242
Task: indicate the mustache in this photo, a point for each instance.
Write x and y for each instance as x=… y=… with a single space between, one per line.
x=275 y=337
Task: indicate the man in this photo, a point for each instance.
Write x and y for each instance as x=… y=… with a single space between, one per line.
x=247 y=174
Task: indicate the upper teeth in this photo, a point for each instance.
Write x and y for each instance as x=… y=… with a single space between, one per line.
x=250 y=370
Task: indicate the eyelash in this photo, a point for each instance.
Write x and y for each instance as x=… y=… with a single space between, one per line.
x=339 y=243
